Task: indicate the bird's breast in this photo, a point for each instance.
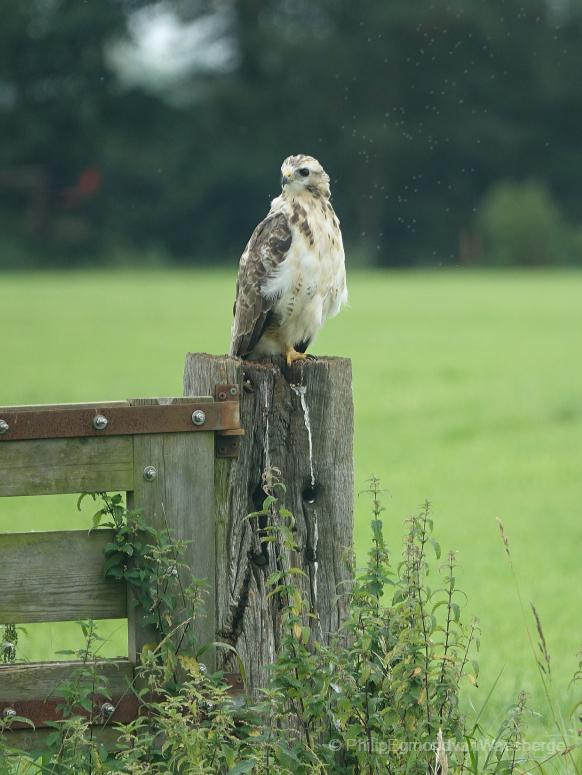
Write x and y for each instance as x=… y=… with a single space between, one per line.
x=309 y=285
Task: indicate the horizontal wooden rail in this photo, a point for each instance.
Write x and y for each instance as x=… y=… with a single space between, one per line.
x=57 y=576
x=41 y=680
x=32 y=690
x=55 y=466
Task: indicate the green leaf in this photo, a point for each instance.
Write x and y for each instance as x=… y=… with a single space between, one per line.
x=269 y=501
x=96 y=521
x=82 y=497
x=242 y=767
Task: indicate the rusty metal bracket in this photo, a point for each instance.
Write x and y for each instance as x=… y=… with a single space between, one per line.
x=43 y=712
x=227 y=441
x=119 y=420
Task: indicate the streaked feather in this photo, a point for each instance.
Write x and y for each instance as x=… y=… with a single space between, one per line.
x=292 y=273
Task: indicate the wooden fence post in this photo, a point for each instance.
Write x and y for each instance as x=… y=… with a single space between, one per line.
x=300 y=420
x=178 y=497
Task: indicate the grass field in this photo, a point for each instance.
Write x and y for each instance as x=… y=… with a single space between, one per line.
x=468 y=391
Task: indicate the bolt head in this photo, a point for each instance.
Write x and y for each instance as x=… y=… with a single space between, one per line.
x=4 y=427
x=198 y=417
x=9 y=713
x=222 y=396
x=233 y=391
x=107 y=709
x=100 y=422
x=150 y=473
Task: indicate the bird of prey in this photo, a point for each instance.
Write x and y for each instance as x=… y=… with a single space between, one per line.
x=292 y=274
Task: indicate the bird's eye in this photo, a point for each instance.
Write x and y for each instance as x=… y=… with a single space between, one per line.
x=304 y=171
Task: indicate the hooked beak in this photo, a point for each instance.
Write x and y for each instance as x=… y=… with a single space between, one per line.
x=286 y=176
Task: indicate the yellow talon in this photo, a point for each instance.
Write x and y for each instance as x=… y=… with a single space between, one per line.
x=291 y=355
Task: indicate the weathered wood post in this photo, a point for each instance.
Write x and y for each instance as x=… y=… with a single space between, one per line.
x=300 y=420
x=178 y=498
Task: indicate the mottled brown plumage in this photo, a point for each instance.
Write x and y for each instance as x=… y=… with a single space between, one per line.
x=291 y=276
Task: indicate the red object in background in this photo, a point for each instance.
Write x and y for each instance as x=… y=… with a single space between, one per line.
x=87 y=185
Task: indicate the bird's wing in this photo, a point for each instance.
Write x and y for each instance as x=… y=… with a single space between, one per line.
x=266 y=250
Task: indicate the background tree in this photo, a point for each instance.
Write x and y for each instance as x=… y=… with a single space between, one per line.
x=415 y=109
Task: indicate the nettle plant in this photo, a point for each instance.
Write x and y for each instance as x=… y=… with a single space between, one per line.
x=398 y=678
x=386 y=688
x=377 y=698
x=381 y=697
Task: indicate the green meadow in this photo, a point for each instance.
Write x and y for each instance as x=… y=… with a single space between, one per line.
x=468 y=393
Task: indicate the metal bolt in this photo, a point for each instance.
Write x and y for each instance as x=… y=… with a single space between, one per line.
x=4 y=427
x=100 y=422
x=9 y=713
x=107 y=709
x=202 y=667
x=222 y=395
x=198 y=417
x=233 y=391
x=150 y=473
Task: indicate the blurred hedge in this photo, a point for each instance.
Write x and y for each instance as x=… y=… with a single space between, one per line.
x=521 y=224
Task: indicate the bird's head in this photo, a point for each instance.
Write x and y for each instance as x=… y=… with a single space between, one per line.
x=304 y=174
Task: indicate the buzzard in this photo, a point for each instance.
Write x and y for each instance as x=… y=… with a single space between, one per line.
x=292 y=274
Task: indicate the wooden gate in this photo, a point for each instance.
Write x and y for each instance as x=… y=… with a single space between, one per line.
x=161 y=453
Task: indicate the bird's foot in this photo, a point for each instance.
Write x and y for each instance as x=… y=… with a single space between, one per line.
x=291 y=355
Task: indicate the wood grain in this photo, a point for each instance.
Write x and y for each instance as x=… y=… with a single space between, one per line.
x=57 y=576
x=41 y=680
x=272 y=416
x=42 y=407
x=181 y=500
x=55 y=466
